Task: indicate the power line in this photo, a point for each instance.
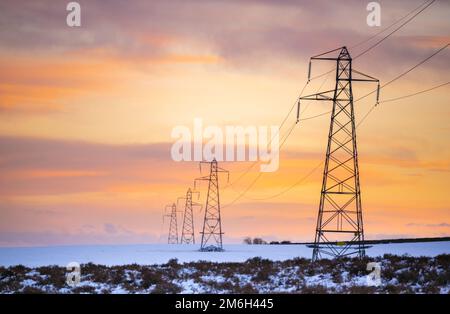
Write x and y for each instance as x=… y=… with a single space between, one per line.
x=390 y=82
x=414 y=94
x=362 y=53
x=321 y=163
x=290 y=187
x=359 y=123
x=427 y=4
x=383 y=101
x=391 y=25
x=406 y=72
x=271 y=140
x=281 y=125
x=394 y=31
x=423 y=6
x=315 y=116
x=261 y=173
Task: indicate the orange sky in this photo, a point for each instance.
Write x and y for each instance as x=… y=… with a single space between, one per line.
x=87 y=115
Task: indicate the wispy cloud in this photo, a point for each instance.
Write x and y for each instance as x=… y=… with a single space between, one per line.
x=436 y=225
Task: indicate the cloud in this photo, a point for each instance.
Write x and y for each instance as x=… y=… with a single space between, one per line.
x=110 y=228
x=269 y=30
x=384 y=236
x=437 y=225
x=32 y=166
x=50 y=238
x=47 y=63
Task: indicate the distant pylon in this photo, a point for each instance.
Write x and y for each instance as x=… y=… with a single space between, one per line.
x=173 y=228
x=339 y=229
x=212 y=223
x=187 y=233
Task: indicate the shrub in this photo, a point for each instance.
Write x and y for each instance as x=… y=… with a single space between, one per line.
x=52 y=275
x=407 y=276
x=166 y=288
x=32 y=290
x=314 y=289
x=83 y=289
x=151 y=277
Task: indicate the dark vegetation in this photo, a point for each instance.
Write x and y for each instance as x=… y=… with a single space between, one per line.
x=399 y=274
x=383 y=241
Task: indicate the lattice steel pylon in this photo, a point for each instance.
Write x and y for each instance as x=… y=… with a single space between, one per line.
x=173 y=227
x=187 y=232
x=212 y=223
x=339 y=230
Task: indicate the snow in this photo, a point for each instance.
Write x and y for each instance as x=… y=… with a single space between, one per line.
x=148 y=254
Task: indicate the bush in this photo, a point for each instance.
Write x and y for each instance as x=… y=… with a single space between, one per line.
x=52 y=275
x=407 y=276
x=32 y=290
x=83 y=289
x=361 y=290
x=400 y=274
x=151 y=277
x=314 y=289
x=259 y=241
x=166 y=288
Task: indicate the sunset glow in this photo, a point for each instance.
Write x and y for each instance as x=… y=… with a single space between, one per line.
x=87 y=115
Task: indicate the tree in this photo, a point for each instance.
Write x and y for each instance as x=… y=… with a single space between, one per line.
x=247 y=240
x=259 y=241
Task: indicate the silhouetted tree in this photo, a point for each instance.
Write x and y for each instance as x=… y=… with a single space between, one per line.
x=259 y=241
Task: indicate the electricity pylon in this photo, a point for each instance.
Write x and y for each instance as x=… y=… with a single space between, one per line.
x=212 y=223
x=173 y=228
x=339 y=229
x=187 y=233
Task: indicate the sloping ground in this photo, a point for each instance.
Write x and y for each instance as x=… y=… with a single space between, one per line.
x=399 y=274
x=145 y=254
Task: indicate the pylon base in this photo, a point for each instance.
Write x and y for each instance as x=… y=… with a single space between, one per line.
x=211 y=248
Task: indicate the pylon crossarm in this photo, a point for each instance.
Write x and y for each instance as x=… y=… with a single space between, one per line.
x=168 y=207
x=205 y=178
x=318 y=96
x=180 y=199
x=201 y=163
x=164 y=216
x=368 y=77
x=200 y=179
x=197 y=193
x=318 y=57
x=224 y=171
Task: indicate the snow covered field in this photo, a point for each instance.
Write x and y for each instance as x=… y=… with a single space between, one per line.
x=159 y=253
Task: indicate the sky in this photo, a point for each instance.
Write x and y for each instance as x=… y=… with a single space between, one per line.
x=87 y=114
